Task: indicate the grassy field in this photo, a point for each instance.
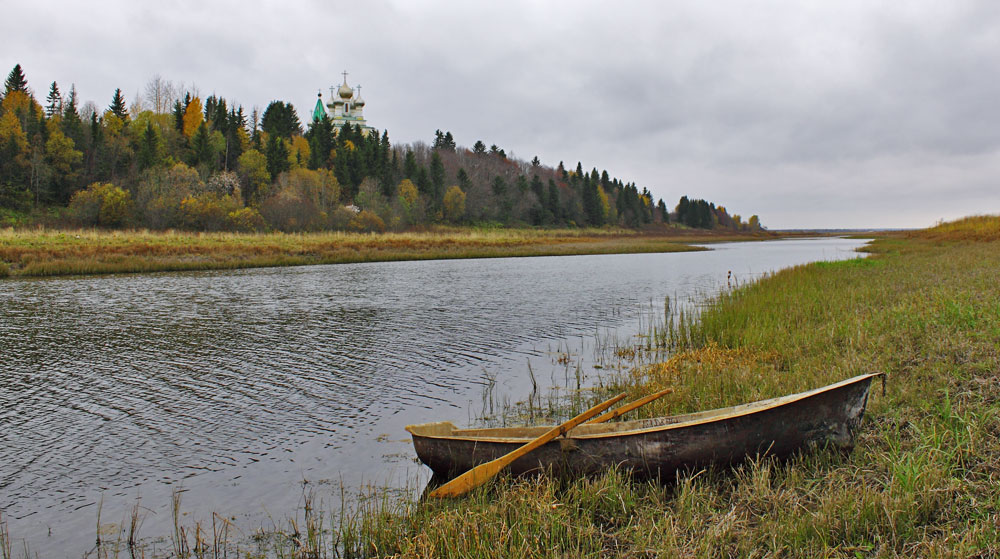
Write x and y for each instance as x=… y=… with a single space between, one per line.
x=34 y=252
x=923 y=480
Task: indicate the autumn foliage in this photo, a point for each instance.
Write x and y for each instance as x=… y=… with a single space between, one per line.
x=196 y=163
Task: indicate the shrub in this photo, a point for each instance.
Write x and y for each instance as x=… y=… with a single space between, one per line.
x=159 y=195
x=101 y=204
x=288 y=210
x=247 y=220
x=454 y=203
x=207 y=211
x=341 y=218
x=366 y=221
x=4 y=269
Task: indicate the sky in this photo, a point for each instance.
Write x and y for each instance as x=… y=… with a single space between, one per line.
x=845 y=114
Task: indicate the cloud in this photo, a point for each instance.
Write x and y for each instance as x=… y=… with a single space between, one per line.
x=822 y=114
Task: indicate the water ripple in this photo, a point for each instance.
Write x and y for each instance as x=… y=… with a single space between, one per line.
x=241 y=383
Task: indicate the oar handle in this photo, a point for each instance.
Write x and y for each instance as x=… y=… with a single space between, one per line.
x=484 y=472
x=617 y=412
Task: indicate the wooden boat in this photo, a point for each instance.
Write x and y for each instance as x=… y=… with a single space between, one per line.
x=660 y=446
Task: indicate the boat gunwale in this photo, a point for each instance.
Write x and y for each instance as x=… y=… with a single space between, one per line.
x=748 y=408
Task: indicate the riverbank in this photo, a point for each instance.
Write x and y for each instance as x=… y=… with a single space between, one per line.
x=42 y=252
x=920 y=482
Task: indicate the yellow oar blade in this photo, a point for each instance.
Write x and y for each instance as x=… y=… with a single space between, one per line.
x=617 y=412
x=485 y=472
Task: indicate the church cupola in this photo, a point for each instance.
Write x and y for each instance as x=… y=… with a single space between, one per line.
x=319 y=112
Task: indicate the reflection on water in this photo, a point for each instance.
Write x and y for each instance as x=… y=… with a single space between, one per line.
x=238 y=385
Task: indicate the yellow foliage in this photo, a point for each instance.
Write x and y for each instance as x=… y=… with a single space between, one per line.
x=10 y=129
x=454 y=203
x=17 y=102
x=193 y=117
x=367 y=222
x=60 y=152
x=407 y=192
x=247 y=220
x=349 y=145
x=605 y=204
x=112 y=124
x=101 y=204
x=298 y=152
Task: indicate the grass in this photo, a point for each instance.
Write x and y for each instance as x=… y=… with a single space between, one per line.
x=922 y=480
x=973 y=228
x=45 y=252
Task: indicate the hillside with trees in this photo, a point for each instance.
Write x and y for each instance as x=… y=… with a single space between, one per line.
x=170 y=159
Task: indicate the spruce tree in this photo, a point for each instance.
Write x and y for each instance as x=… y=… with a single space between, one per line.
x=55 y=101
x=118 y=107
x=178 y=115
x=15 y=81
x=479 y=148
x=149 y=148
x=437 y=179
x=410 y=165
x=277 y=156
x=203 y=153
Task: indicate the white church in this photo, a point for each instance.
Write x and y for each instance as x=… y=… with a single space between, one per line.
x=346 y=106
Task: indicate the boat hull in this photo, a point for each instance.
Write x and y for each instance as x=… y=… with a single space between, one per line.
x=658 y=448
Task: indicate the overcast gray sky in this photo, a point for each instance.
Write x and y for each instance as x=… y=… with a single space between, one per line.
x=810 y=114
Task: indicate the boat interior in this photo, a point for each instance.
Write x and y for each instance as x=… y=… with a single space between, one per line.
x=445 y=429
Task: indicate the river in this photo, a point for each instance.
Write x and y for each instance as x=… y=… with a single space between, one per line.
x=234 y=387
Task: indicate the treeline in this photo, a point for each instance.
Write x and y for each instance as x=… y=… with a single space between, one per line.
x=173 y=160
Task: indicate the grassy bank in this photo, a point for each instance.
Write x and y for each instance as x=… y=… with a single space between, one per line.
x=62 y=252
x=921 y=482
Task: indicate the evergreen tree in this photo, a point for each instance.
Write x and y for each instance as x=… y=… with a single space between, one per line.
x=463 y=179
x=538 y=188
x=280 y=120
x=16 y=82
x=178 y=111
x=410 y=165
x=149 y=148
x=55 y=101
x=118 y=105
x=277 y=157
x=321 y=141
x=423 y=181
x=479 y=148
x=202 y=151
x=552 y=201
x=437 y=179
x=522 y=185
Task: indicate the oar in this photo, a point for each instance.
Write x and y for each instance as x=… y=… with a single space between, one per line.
x=617 y=412
x=484 y=472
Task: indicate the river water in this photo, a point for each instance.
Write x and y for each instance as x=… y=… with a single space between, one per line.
x=235 y=387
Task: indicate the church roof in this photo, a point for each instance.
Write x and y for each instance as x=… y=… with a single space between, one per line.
x=319 y=112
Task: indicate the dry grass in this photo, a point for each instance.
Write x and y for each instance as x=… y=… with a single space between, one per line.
x=63 y=252
x=973 y=228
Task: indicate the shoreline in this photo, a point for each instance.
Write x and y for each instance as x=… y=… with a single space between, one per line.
x=45 y=253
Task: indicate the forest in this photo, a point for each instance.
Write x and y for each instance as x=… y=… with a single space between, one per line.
x=172 y=160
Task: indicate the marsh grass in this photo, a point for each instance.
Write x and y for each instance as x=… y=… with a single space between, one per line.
x=63 y=252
